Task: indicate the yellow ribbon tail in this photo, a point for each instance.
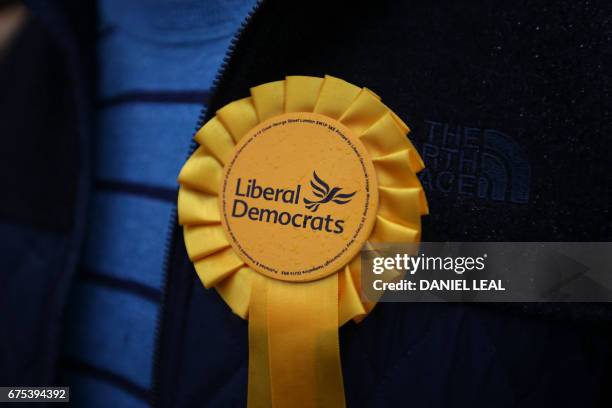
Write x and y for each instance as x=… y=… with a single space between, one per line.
x=259 y=391
x=293 y=345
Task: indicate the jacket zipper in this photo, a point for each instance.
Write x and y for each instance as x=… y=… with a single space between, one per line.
x=173 y=226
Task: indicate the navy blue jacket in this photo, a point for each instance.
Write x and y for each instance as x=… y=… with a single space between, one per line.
x=509 y=105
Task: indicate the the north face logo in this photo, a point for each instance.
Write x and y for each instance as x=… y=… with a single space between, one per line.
x=325 y=194
x=478 y=162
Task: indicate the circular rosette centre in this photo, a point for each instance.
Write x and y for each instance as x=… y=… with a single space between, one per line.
x=299 y=197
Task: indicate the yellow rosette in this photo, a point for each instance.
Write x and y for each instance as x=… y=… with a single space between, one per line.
x=283 y=191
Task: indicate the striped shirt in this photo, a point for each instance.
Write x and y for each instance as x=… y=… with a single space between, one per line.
x=157 y=60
